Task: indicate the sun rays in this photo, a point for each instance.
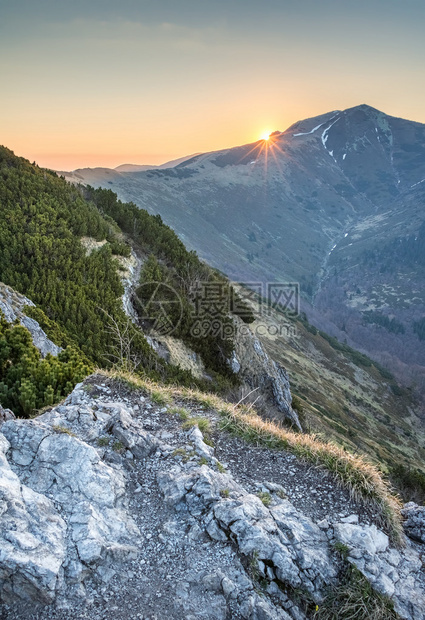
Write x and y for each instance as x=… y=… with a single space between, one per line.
x=268 y=145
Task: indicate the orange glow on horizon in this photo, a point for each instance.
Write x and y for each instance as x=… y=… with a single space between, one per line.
x=148 y=82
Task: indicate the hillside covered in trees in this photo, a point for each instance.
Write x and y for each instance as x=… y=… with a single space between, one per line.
x=79 y=294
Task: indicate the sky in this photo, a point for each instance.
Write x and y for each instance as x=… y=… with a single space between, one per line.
x=103 y=83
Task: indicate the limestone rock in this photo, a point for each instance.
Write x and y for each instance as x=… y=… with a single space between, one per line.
x=396 y=573
x=32 y=538
x=258 y=370
x=201 y=447
x=132 y=435
x=367 y=538
x=5 y=415
x=414 y=525
x=289 y=543
x=75 y=505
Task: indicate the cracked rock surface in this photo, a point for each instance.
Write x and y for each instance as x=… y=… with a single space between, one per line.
x=111 y=508
x=415 y=521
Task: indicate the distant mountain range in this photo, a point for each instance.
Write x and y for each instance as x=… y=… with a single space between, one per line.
x=93 y=175
x=335 y=202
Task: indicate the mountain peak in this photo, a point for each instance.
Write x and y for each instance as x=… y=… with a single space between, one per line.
x=363 y=111
x=309 y=125
x=364 y=107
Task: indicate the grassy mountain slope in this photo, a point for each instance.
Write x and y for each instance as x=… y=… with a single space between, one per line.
x=342 y=395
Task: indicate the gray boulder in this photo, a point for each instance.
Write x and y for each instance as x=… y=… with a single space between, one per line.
x=75 y=503
x=396 y=573
x=131 y=434
x=414 y=524
x=32 y=538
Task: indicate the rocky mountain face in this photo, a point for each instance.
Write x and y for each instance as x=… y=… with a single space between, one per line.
x=113 y=503
x=257 y=372
x=334 y=202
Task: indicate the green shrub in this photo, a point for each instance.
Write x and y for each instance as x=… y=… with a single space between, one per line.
x=103 y=442
x=29 y=382
x=342 y=549
x=265 y=497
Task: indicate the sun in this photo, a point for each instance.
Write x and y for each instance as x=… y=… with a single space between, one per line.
x=265 y=135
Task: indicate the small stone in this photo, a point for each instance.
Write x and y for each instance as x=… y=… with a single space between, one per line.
x=227 y=586
x=350 y=519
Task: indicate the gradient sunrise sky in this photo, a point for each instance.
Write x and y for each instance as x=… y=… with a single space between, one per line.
x=101 y=83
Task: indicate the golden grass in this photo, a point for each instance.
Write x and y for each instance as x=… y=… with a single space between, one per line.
x=355 y=472
x=362 y=478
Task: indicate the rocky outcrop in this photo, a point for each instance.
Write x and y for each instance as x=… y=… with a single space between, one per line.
x=414 y=524
x=396 y=573
x=288 y=546
x=130 y=278
x=33 y=538
x=108 y=500
x=5 y=415
x=253 y=365
x=63 y=508
x=175 y=352
x=12 y=305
